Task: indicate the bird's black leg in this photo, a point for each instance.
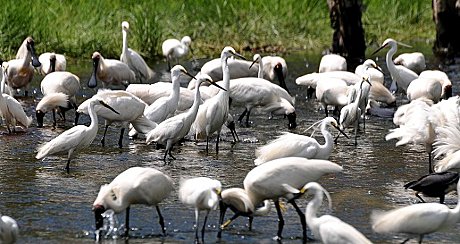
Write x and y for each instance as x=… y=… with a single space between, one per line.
x=166 y=154
x=441 y=199
x=302 y=219
x=169 y=152
x=54 y=119
x=247 y=118
x=207 y=144
x=421 y=239
x=223 y=209
x=127 y=223
x=161 y=220
x=103 y=137
x=430 y=170
x=419 y=197
x=120 y=140
x=280 y=220
x=204 y=225
x=251 y=218
x=242 y=115
x=217 y=143
x=67 y=166
x=405 y=241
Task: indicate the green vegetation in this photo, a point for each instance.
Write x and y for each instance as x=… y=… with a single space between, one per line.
x=77 y=28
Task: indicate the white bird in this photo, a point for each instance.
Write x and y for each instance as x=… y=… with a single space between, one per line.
x=327 y=228
x=273 y=67
x=110 y=72
x=51 y=62
x=59 y=89
x=332 y=62
x=417 y=220
x=165 y=107
x=170 y=131
x=369 y=67
x=279 y=69
x=285 y=178
x=213 y=113
x=426 y=88
x=202 y=193
x=311 y=80
x=135 y=61
x=379 y=93
x=399 y=74
x=350 y=113
x=332 y=91
x=136 y=185
x=238 y=201
x=9 y=230
x=442 y=78
x=20 y=71
x=11 y=110
x=295 y=145
x=414 y=61
x=174 y=49
x=130 y=110
x=75 y=138
x=447 y=147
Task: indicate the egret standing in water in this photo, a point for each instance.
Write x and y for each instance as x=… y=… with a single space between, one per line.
x=174 y=49
x=136 y=185
x=75 y=138
x=135 y=61
x=213 y=113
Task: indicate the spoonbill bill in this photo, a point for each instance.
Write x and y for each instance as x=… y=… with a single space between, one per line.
x=295 y=145
x=11 y=110
x=110 y=72
x=135 y=61
x=332 y=62
x=51 y=62
x=434 y=185
x=401 y=75
x=170 y=131
x=327 y=228
x=9 y=230
x=20 y=71
x=414 y=61
x=136 y=185
x=417 y=220
x=174 y=49
x=75 y=138
x=213 y=113
x=59 y=90
x=202 y=193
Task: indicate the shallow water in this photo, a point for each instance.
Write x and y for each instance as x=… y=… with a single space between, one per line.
x=52 y=206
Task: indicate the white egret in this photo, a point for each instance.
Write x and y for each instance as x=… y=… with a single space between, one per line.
x=327 y=228
x=434 y=185
x=238 y=201
x=369 y=67
x=332 y=62
x=59 y=90
x=350 y=113
x=414 y=61
x=174 y=49
x=75 y=138
x=9 y=230
x=20 y=71
x=110 y=72
x=213 y=113
x=172 y=130
x=165 y=107
x=202 y=193
x=399 y=74
x=51 y=62
x=285 y=178
x=417 y=220
x=424 y=88
x=130 y=110
x=295 y=145
x=136 y=185
x=447 y=146
x=11 y=110
x=135 y=61
x=442 y=78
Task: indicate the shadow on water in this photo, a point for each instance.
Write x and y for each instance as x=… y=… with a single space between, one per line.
x=52 y=206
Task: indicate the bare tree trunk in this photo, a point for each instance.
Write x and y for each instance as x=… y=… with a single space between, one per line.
x=348 y=37
x=446 y=15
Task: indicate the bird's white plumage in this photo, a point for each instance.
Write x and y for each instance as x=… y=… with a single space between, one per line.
x=414 y=61
x=60 y=63
x=110 y=72
x=424 y=88
x=332 y=62
x=369 y=67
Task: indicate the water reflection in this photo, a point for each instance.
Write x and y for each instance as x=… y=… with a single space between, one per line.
x=52 y=206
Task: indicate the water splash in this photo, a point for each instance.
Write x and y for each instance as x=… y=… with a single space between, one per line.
x=111 y=229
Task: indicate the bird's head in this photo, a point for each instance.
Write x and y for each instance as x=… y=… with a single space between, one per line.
x=31 y=48
x=255 y=59
x=228 y=52
x=96 y=57
x=125 y=25
x=98 y=211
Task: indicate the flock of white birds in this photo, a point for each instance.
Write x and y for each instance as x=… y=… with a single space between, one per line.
x=286 y=169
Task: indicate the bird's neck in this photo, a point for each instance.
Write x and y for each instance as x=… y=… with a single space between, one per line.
x=93 y=116
x=260 y=74
x=389 y=58
x=125 y=42
x=175 y=94
x=197 y=101
x=313 y=207
x=328 y=139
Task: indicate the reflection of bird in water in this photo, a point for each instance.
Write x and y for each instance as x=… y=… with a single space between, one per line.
x=434 y=185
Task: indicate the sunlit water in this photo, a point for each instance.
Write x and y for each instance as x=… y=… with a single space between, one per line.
x=52 y=206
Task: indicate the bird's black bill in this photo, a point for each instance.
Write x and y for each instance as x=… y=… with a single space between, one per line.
x=253 y=62
x=35 y=61
x=98 y=211
x=292 y=124
x=107 y=106
x=376 y=51
x=215 y=84
x=341 y=131
x=92 y=83
x=39 y=114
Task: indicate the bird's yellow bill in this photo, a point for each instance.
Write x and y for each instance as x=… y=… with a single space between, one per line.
x=225 y=224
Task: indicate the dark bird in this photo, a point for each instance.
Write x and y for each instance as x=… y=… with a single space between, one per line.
x=434 y=185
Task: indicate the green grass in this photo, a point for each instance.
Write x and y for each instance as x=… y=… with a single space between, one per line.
x=77 y=28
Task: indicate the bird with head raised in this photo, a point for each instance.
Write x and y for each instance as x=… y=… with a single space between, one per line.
x=417 y=220
x=174 y=49
x=136 y=185
x=202 y=193
x=75 y=138
x=135 y=61
x=327 y=228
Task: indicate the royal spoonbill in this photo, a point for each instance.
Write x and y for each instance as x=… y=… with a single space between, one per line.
x=51 y=62
x=442 y=78
x=414 y=61
x=110 y=72
x=174 y=49
x=136 y=185
x=332 y=62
